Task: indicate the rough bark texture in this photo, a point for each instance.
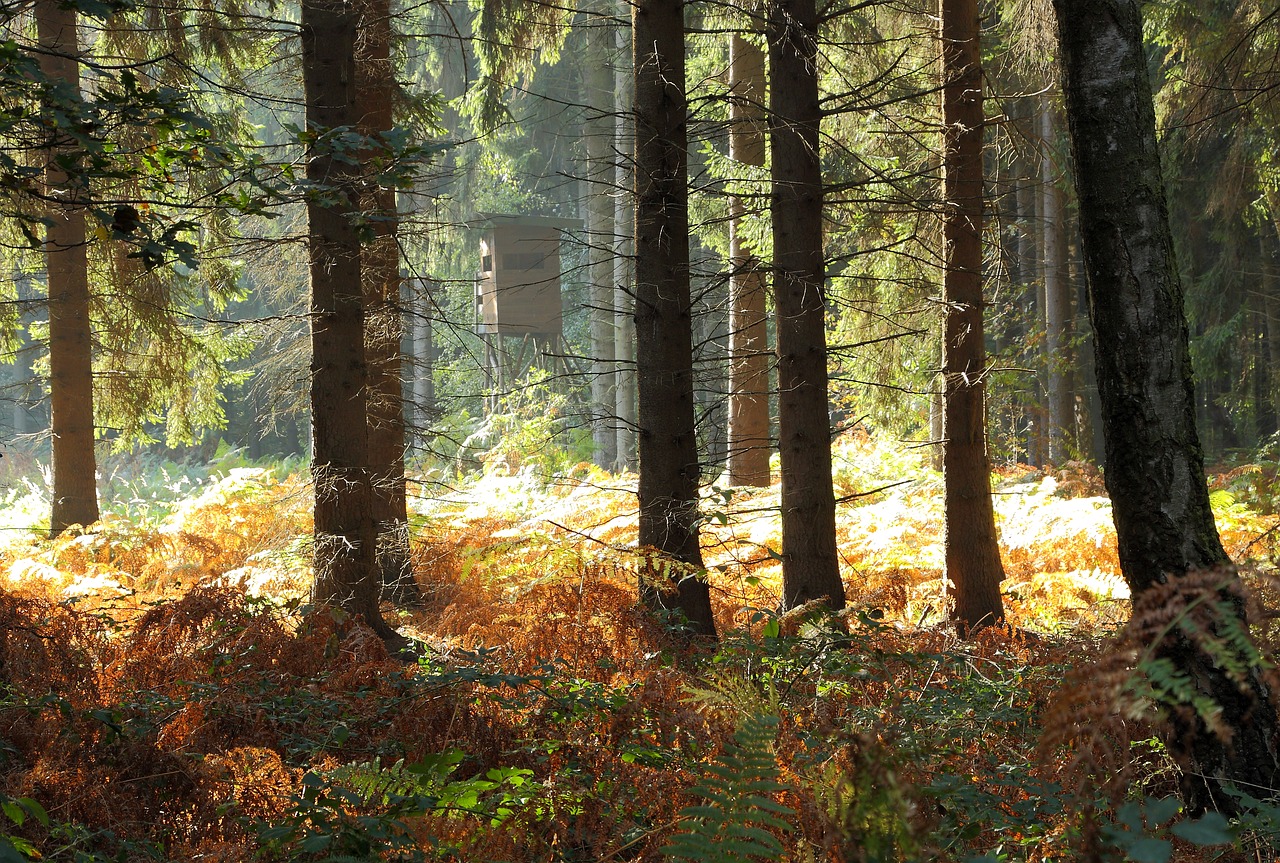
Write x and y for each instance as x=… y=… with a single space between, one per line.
x=598 y=131
x=75 y=494
x=972 y=551
x=749 y=442
x=1154 y=464
x=669 y=468
x=346 y=569
x=1057 y=300
x=380 y=273
x=810 y=562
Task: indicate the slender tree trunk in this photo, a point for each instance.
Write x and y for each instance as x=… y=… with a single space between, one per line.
x=1057 y=299
x=1154 y=464
x=1271 y=311
x=1029 y=276
x=972 y=551
x=346 y=568
x=749 y=442
x=669 y=467
x=424 y=390
x=75 y=494
x=1271 y=261
x=624 y=255
x=810 y=561
x=383 y=325
x=598 y=129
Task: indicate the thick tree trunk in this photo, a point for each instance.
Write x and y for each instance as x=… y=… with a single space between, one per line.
x=669 y=467
x=1057 y=300
x=380 y=272
x=598 y=129
x=1154 y=464
x=75 y=493
x=810 y=561
x=972 y=551
x=346 y=572
x=749 y=442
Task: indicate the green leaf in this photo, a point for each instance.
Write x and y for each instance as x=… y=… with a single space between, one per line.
x=1212 y=829
x=1150 y=850
x=1160 y=811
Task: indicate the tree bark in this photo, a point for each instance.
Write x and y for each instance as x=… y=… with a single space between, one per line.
x=669 y=467
x=75 y=494
x=383 y=325
x=973 y=562
x=598 y=130
x=810 y=561
x=749 y=442
x=1057 y=300
x=624 y=227
x=346 y=571
x=1154 y=464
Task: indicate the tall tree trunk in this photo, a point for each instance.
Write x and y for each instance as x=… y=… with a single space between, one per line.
x=1271 y=311
x=1029 y=275
x=1154 y=464
x=346 y=571
x=75 y=493
x=810 y=561
x=624 y=254
x=972 y=551
x=1057 y=299
x=748 y=328
x=669 y=467
x=383 y=325
x=598 y=129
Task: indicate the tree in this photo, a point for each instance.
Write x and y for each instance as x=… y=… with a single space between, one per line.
x=75 y=494
x=810 y=560
x=346 y=571
x=380 y=270
x=1057 y=299
x=1154 y=464
x=972 y=551
x=598 y=131
x=668 y=448
x=749 y=443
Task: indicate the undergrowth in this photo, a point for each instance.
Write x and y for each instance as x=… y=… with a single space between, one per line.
x=168 y=695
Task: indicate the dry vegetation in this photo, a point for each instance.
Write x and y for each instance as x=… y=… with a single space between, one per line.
x=169 y=696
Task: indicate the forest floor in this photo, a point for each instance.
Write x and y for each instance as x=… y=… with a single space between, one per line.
x=170 y=696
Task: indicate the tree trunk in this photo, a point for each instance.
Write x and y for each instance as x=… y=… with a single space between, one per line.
x=424 y=389
x=598 y=129
x=749 y=442
x=1154 y=464
x=346 y=569
x=669 y=468
x=1057 y=299
x=810 y=561
x=1271 y=313
x=75 y=493
x=624 y=253
x=972 y=551
x=383 y=325
x=1271 y=261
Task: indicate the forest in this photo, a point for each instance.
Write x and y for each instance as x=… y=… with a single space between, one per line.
x=775 y=430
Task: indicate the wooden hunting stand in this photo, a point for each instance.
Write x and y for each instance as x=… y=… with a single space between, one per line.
x=518 y=306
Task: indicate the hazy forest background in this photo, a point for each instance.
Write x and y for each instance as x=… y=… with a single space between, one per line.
x=501 y=430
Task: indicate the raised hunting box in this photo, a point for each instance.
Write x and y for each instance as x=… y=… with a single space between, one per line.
x=518 y=286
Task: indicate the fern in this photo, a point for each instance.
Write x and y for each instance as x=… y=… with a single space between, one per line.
x=733 y=823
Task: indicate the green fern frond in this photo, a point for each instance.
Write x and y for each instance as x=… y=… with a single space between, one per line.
x=734 y=823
